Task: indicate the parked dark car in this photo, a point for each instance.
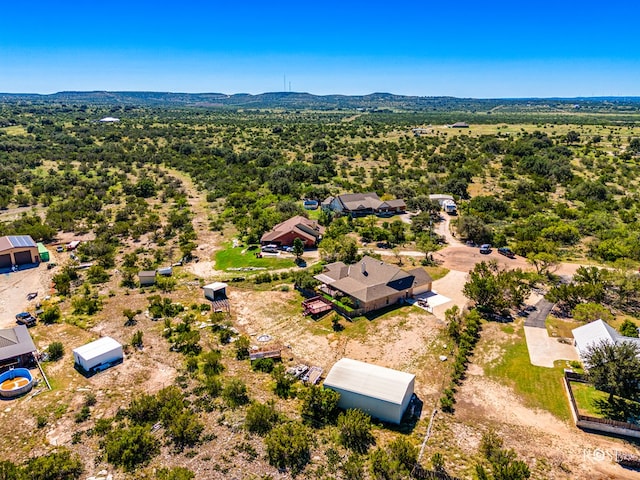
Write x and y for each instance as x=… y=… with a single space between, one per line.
x=485 y=248
x=507 y=252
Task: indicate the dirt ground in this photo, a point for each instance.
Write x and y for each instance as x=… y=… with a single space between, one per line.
x=14 y=288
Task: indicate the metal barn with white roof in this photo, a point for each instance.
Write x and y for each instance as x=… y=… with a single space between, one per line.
x=103 y=351
x=381 y=392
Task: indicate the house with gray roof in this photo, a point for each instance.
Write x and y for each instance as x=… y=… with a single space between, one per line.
x=372 y=284
x=16 y=348
x=360 y=204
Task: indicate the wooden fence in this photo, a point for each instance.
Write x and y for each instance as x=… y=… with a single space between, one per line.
x=603 y=425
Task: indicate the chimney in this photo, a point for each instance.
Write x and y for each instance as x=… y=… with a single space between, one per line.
x=363 y=268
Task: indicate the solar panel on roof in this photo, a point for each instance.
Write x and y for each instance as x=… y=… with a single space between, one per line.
x=21 y=241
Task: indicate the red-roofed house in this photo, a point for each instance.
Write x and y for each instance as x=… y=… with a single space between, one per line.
x=286 y=232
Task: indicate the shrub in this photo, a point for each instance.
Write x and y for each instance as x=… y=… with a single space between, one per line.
x=263 y=365
x=51 y=315
x=61 y=464
x=136 y=339
x=261 y=417
x=175 y=473
x=130 y=447
x=319 y=405
x=55 y=351
x=242 y=345
x=355 y=430
x=288 y=446
x=235 y=393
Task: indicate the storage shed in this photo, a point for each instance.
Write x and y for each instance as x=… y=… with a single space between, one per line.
x=381 y=392
x=43 y=252
x=99 y=353
x=215 y=291
x=147 y=278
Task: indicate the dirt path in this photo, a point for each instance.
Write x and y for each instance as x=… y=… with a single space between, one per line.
x=208 y=241
x=444 y=228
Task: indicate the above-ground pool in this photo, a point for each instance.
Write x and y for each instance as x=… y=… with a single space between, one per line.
x=15 y=382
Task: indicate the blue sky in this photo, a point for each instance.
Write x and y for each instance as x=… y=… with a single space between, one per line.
x=457 y=48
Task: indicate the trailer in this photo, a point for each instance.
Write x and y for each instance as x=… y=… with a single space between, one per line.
x=43 y=252
x=450 y=207
x=99 y=354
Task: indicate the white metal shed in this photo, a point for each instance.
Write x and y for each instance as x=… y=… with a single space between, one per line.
x=381 y=392
x=215 y=291
x=103 y=351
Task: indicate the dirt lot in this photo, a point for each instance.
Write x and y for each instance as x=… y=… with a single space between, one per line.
x=14 y=288
x=463 y=259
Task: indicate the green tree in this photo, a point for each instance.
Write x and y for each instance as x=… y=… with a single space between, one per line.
x=136 y=339
x=494 y=289
x=355 y=430
x=175 y=473
x=628 y=329
x=242 y=345
x=288 y=446
x=474 y=229
x=284 y=382
x=235 y=393
x=130 y=447
x=261 y=417
x=319 y=405
x=543 y=262
x=51 y=315
x=298 y=248
x=353 y=467
x=614 y=368
x=212 y=363
x=589 y=312
x=9 y=471
x=59 y=465
x=130 y=316
x=185 y=429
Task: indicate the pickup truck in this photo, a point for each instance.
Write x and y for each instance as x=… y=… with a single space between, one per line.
x=506 y=251
x=485 y=248
x=25 y=318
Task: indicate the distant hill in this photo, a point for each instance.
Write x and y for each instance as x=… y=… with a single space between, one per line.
x=299 y=101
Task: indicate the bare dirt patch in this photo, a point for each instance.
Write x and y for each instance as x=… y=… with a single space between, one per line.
x=464 y=258
x=14 y=288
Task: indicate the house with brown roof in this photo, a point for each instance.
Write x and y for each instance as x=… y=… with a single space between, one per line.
x=372 y=284
x=18 y=250
x=16 y=348
x=283 y=234
x=359 y=204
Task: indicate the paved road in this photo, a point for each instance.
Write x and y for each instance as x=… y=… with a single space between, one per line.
x=538 y=317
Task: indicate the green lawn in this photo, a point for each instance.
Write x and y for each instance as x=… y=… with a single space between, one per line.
x=539 y=387
x=436 y=273
x=585 y=396
x=232 y=257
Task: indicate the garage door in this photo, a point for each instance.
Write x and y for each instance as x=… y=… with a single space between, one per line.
x=5 y=261
x=23 y=257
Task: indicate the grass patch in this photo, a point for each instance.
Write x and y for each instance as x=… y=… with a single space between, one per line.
x=15 y=130
x=585 y=396
x=558 y=327
x=240 y=257
x=539 y=387
x=436 y=272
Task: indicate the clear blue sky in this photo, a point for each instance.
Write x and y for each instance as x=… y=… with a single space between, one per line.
x=445 y=47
